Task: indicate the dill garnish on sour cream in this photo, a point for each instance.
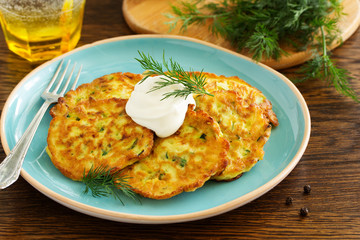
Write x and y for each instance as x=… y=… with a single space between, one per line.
x=160 y=101
x=150 y=109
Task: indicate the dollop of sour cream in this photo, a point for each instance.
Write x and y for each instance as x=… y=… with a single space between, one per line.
x=149 y=109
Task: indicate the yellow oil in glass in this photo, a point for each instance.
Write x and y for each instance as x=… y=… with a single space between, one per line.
x=39 y=38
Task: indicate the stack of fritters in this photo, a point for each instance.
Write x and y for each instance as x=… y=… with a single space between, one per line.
x=220 y=139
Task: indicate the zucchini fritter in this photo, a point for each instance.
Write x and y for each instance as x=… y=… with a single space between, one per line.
x=118 y=85
x=245 y=126
x=182 y=162
x=248 y=93
x=96 y=133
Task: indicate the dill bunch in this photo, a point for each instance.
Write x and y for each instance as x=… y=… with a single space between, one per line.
x=262 y=27
x=104 y=181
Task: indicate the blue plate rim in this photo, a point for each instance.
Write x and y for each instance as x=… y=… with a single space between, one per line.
x=147 y=219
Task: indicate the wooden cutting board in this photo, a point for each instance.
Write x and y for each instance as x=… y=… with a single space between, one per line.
x=147 y=16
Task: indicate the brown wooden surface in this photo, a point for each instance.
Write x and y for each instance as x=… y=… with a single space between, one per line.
x=331 y=165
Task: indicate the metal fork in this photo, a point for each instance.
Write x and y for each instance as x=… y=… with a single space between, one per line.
x=11 y=166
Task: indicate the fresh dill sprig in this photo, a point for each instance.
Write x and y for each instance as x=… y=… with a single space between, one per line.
x=323 y=67
x=173 y=74
x=104 y=181
x=263 y=27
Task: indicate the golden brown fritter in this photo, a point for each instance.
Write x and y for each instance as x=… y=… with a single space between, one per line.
x=96 y=133
x=183 y=161
x=248 y=93
x=245 y=126
x=115 y=85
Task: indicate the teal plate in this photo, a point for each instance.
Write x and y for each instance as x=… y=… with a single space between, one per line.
x=283 y=151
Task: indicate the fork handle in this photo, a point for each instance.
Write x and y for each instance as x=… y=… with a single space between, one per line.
x=11 y=166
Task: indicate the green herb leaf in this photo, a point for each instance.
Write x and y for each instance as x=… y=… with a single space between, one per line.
x=104 y=181
x=173 y=74
x=322 y=67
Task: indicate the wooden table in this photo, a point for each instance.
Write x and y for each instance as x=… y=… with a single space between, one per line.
x=331 y=165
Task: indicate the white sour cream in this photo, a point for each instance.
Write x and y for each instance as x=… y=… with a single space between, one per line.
x=147 y=109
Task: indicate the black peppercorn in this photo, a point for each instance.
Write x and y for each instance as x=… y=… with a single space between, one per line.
x=289 y=200
x=304 y=211
x=307 y=189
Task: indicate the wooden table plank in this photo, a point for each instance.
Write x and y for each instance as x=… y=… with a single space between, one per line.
x=331 y=165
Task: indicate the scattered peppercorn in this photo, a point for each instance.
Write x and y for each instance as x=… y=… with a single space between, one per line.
x=289 y=200
x=304 y=211
x=307 y=189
